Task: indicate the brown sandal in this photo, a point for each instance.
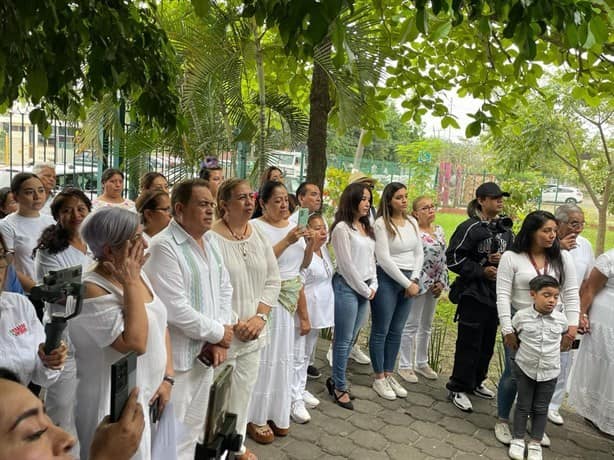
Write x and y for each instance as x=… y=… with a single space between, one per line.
x=247 y=455
x=281 y=432
x=261 y=434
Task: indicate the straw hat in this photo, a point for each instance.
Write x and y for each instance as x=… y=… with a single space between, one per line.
x=360 y=177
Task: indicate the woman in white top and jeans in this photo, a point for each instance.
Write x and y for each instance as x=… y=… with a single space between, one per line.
x=398 y=250
x=355 y=282
x=535 y=251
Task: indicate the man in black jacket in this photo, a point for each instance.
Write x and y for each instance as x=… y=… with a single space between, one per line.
x=473 y=254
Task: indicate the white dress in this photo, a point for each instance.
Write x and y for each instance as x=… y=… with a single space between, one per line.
x=92 y=334
x=319 y=291
x=591 y=389
x=60 y=397
x=271 y=397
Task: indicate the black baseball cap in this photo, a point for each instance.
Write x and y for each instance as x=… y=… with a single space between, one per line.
x=489 y=189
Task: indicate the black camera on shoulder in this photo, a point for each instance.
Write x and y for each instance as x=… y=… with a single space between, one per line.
x=501 y=224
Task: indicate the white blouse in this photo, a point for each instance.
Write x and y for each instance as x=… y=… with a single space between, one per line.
x=514 y=273
x=355 y=255
x=254 y=276
x=403 y=251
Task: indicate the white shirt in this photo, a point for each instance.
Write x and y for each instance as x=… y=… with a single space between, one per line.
x=355 y=255
x=195 y=287
x=403 y=251
x=540 y=342
x=514 y=273
x=20 y=335
x=21 y=234
x=583 y=258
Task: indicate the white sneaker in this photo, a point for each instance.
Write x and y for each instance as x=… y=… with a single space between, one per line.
x=555 y=417
x=329 y=355
x=503 y=433
x=408 y=375
x=299 y=413
x=483 y=392
x=359 y=356
x=310 y=400
x=396 y=387
x=426 y=372
x=534 y=451
x=545 y=440
x=516 y=450
x=461 y=400
x=382 y=388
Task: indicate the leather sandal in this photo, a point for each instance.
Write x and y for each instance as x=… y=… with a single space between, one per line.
x=261 y=434
x=247 y=455
x=281 y=432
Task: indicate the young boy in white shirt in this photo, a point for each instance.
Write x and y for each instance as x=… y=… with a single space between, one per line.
x=536 y=364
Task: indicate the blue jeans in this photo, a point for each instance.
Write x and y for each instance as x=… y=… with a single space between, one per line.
x=389 y=312
x=506 y=390
x=350 y=312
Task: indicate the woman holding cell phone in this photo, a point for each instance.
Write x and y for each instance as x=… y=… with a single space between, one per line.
x=120 y=314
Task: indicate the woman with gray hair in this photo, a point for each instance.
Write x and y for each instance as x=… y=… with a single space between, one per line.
x=121 y=314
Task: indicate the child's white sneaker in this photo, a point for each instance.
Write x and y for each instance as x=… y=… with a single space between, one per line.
x=534 y=451
x=516 y=450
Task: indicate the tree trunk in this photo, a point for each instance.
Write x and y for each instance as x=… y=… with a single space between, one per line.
x=320 y=105
x=602 y=226
x=360 y=149
x=260 y=150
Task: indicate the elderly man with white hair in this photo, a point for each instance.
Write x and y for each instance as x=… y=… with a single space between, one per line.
x=571 y=223
x=46 y=173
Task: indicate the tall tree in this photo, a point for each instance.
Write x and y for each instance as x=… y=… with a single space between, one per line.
x=493 y=50
x=63 y=55
x=558 y=129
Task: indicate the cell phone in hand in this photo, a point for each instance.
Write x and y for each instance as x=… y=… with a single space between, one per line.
x=303 y=217
x=575 y=344
x=123 y=380
x=154 y=410
x=205 y=355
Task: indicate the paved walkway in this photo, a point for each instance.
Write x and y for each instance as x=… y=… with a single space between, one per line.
x=422 y=426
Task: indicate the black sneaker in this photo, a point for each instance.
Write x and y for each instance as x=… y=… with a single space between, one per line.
x=313 y=372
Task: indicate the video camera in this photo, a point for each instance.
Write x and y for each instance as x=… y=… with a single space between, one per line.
x=501 y=224
x=63 y=290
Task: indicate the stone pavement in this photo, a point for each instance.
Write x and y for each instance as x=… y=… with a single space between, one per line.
x=425 y=425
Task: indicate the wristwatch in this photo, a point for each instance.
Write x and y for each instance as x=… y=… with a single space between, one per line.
x=263 y=316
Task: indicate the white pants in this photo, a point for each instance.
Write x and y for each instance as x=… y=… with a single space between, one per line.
x=60 y=398
x=303 y=348
x=190 y=397
x=241 y=387
x=561 y=384
x=418 y=328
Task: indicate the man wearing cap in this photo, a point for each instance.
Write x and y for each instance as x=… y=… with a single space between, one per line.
x=473 y=254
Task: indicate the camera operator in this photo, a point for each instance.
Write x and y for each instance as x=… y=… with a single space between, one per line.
x=474 y=253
